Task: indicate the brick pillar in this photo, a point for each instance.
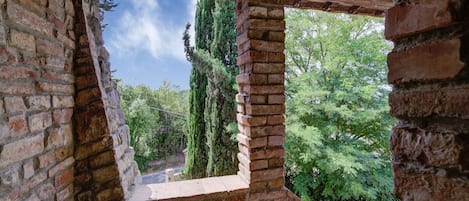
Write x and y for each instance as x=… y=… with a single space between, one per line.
x=429 y=72
x=261 y=99
x=104 y=168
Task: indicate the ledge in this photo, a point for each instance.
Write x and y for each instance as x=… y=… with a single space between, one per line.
x=196 y=189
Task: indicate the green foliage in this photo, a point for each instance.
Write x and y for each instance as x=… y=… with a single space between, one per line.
x=156 y=120
x=337 y=117
x=214 y=62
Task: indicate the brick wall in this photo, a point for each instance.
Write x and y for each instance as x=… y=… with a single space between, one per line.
x=36 y=100
x=62 y=134
x=428 y=70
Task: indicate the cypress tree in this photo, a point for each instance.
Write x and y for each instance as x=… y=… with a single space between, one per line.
x=212 y=115
x=196 y=161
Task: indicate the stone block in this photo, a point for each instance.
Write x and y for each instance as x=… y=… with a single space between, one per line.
x=21 y=149
x=15 y=104
x=23 y=40
x=434 y=61
x=40 y=121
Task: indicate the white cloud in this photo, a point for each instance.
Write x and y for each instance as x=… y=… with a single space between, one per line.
x=143 y=27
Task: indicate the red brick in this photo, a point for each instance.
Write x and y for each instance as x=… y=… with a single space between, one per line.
x=264 y=109
x=64 y=178
x=6 y=56
x=408 y=19
x=257 y=12
x=263 y=89
x=12 y=87
x=40 y=121
x=252 y=121
x=248 y=78
x=276 y=140
x=434 y=61
x=252 y=142
x=276 y=13
x=265 y=175
x=268 y=68
x=63 y=153
x=267 y=154
x=275 y=119
x=15 y=104
x=18 y=125
x=276 y=99
x=21 y=149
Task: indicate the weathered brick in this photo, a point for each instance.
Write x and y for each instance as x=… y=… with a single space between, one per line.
x=38 y=9
x=407 y=19
x=276 y=13
x=23 y=40
x=46 y=191
x=58 y=76
x=66 y=164
x=33 y=182
x=110 y=194
x=6 y=56
x=10 y=177
x=252 y=142
x=21 y=149
x=89 y=149
x=63 y=101
x=59 y=136
x=435 y=61
x=263 y=89
x=46 y=159
x=40 y=121
x=56 y=63
x=276 y=99
x=57 y=8
x=428 y=101
x=276 y=79
x=39 y=102
x=18 y=125
x=55 y=88
x=50 y=48
x=12 y=87
x=106 y=174
x=251 y=120
x=267 y=154
x=428 y=184
x=105 y=158
x=63 y=153
x=256 y=11
x=415 y=145
x=275 y=119
x=28 y=169
x=62 y=116
x=248 y=78
x=15 y=104
x=10 y=72
x=276 y=140
x=91 y=125
x=65 y=193
x=64 y=178
x=264 y=109
x=265 y=175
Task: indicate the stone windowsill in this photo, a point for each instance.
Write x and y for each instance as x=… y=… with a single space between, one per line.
x=196 y=189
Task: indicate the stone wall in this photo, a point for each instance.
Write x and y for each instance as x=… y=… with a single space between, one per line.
x=62 y=134
x=428 y=69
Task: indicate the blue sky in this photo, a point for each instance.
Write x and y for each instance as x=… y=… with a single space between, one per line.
x=144 y=39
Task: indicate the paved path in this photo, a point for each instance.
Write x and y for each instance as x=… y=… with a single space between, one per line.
x=158 y=177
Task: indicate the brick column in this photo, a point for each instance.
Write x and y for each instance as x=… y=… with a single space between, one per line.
x=261 y=99
x=430 y=97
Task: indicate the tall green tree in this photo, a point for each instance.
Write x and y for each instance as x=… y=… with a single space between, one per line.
x=337 y=113
x=214 y=57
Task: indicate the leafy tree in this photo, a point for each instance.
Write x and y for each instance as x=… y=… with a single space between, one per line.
x=156 y=120
x=213 y=58
x=337 y=117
